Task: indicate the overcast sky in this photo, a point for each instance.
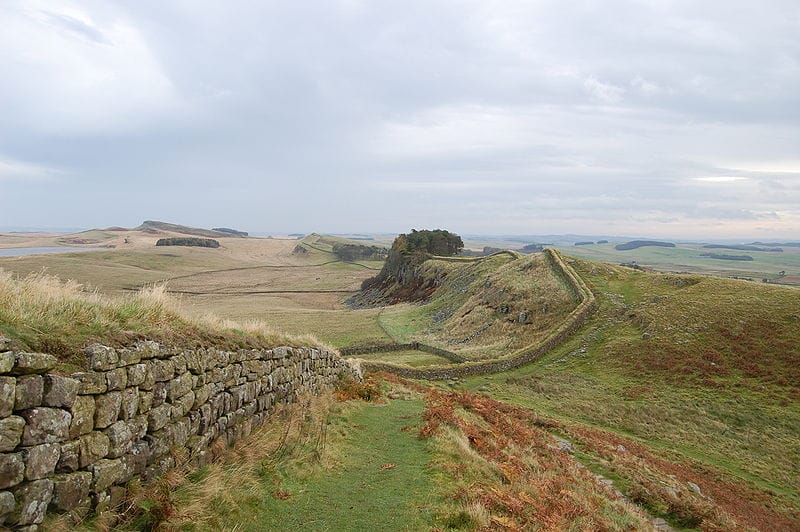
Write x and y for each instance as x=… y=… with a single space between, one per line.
x=652 y=118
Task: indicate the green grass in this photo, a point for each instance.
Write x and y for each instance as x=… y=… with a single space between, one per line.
x=716 y=381
x=687 y=258
x=356 y=470
x=408 y=358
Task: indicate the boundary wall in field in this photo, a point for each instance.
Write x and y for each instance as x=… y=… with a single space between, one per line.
x=587 y=304
x=70 y=443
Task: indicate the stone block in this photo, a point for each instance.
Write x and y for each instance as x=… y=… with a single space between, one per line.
x=162 y=370
x=145 y=401
x=179 y=361
x=130 y=403
x=41 y=460
x=12 y=469
x=136 y=374
x=119 y=439
x=32 y=501
x=28 y=392
x=195 y=362
x=158 y=417
x=105 y=473
x=69 y=460
x=129 y=356
x=6 y=358
x=7 y=504
x=138 y=426
x=107 y=408
x=90 y=383
x=59 y=391
x=101 y=357
x=45 y=425
x=7 y=395
x=29 y=363
x=117 y=379
x=93 y=447
x=10 y=432
x=179 y=386
x=70 y=490
x=82 y=416
x=182 y=405
x=159 y=393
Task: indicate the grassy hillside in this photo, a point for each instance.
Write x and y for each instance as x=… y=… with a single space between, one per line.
x=482 y=308
x=42 y=313
x=701 y=372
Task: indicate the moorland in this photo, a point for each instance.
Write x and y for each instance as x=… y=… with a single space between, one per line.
x=675 y=404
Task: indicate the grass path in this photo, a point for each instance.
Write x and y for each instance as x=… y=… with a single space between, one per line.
x=359 y=494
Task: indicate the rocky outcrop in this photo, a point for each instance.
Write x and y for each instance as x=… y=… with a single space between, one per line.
x=70 y=443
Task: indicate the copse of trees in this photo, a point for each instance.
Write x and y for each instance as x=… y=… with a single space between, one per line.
x=436 y=242
x=351 y=252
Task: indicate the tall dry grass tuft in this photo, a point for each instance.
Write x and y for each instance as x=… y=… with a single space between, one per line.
x=43 y=313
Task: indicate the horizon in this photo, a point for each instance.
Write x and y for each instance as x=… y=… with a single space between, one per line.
x=666 y=119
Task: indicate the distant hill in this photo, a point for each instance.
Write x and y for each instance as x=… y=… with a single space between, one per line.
x=634 y=244
x=742 y=247
x=231 y=232
x=153 y=226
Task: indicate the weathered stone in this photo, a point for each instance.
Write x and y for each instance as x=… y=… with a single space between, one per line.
x=101 y=358
x=7 y=504
x=182 y=405
x=69 y=490
x=179 y=362
x=7 y=395
x=59 y=391
x=159 y=393
x=27 y=363
x=130 y=403
x=119 y=439
x=158 y=417
x=70 y=457
x=179 y=386
x=82 y=416
x=32 y=500
x=41 y=460
x=93 y=446
x=145 y=401
x=129 y=356
x=195 y=362
x=162 y=370
x=10 y=432
x=136 y=374
x=138 y=426
x=147 y=348
x=117 y=379
x=105 y=473
x=6 y=358
x=28 y=392
x=90 y=383
x=107 y=409
x=45 y=425
x=12 y=469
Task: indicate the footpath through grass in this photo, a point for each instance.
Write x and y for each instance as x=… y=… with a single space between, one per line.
x=383 y=481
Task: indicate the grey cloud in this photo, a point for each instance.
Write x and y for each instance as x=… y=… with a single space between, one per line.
x=531 y=114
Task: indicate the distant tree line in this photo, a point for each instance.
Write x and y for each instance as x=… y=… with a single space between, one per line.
x=633 y=244
x=351 y=252
x=195 y=242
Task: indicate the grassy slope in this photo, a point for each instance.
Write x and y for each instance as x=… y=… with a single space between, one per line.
x=42 y=313
x=716 y=382
x=477 y=307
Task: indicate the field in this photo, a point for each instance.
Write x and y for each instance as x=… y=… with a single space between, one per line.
x=688 y=258
x=677 y=400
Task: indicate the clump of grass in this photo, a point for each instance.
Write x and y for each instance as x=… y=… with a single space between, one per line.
x=43 y=313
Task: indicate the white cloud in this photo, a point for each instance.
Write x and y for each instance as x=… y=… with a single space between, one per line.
x=603 y=92
x=22 y=171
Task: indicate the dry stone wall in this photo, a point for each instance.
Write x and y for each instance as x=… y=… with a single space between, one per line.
x=71 y=443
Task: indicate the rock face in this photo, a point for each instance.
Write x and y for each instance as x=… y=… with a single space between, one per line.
x=75 y=441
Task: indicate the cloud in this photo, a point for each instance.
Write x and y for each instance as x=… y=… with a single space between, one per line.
x=483 y=116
